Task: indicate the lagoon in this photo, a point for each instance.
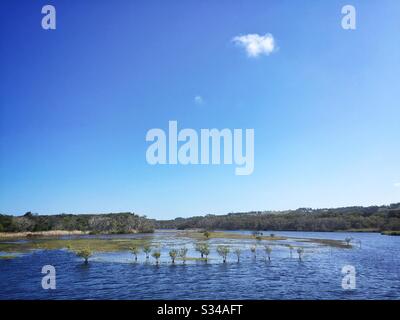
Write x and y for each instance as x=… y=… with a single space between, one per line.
x=113 y=274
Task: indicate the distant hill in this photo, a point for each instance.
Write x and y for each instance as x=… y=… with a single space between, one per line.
x=125 y=222
x=374 y=218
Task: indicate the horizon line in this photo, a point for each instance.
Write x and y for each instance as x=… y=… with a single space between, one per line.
x=205 y=214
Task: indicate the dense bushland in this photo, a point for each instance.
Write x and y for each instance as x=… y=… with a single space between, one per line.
x=376 y=218
x=95 y=223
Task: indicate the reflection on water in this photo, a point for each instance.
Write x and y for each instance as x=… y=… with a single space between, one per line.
x=116 y=276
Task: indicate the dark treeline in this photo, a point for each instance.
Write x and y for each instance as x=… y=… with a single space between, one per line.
x=95 y=223
x=378 y=218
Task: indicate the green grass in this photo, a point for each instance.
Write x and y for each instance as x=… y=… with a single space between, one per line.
x=326 y=242
x=97 y=245
x=7 y=257
x=123 y=244
x=192 y=259
x=391 y=233
x=226 y=235
x=361 y=230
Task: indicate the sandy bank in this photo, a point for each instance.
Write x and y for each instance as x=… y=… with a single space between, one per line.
x=52 y=233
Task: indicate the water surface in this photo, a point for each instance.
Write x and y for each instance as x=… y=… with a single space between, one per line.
x=116 y=276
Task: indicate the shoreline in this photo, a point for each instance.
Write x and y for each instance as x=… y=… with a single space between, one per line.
x=57 y=233
x=51 y=233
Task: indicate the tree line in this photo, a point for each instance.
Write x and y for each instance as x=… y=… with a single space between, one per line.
x=374 y=218
x=125 y=222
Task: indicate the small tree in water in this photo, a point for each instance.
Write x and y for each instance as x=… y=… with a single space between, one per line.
x=268 y=251
x=256 y=233
x=348 y=240
x=253 y=249
x=156 y=255
x=135 y=250
x=300 y=252
x=173 y=253
x=205 y=250
x=85 y=254
x=183 y=253
x=206 y=234
x=238 y=252
x=291 y=250
x=223 y=252
x=147 y=250
x=199 y=248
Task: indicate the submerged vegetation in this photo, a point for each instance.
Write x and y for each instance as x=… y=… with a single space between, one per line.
x=85 y=254
x=98 y=245
x=7 y=257
x=291 y=250
x=156 y=255
x=147 y=250
x=268 y=250
x=135 y=250
x=183 y=253
x=203 y=248
x=300 y=252
x=223 y=252
x=224 y=235
x=86 y=246
x=238 y=252
x=173 y=254
x=348 y=240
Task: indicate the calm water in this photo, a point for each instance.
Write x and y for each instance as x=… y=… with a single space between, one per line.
x=116 y=276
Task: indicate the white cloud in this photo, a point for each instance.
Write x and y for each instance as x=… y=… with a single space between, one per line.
x=256 y=44
x=397 y=185
x=198 y=100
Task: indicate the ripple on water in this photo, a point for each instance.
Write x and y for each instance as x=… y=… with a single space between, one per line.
x=116 y=276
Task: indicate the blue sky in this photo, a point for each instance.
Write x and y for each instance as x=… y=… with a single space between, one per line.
x=76 y=104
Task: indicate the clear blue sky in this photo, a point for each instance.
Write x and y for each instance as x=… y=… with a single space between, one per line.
x=76 y=103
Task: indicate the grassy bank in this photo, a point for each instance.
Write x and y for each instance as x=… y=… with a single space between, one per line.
x=198 y=235
x=53 y=233
x=123 y=244
x=391 y=233
x=98 y=245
